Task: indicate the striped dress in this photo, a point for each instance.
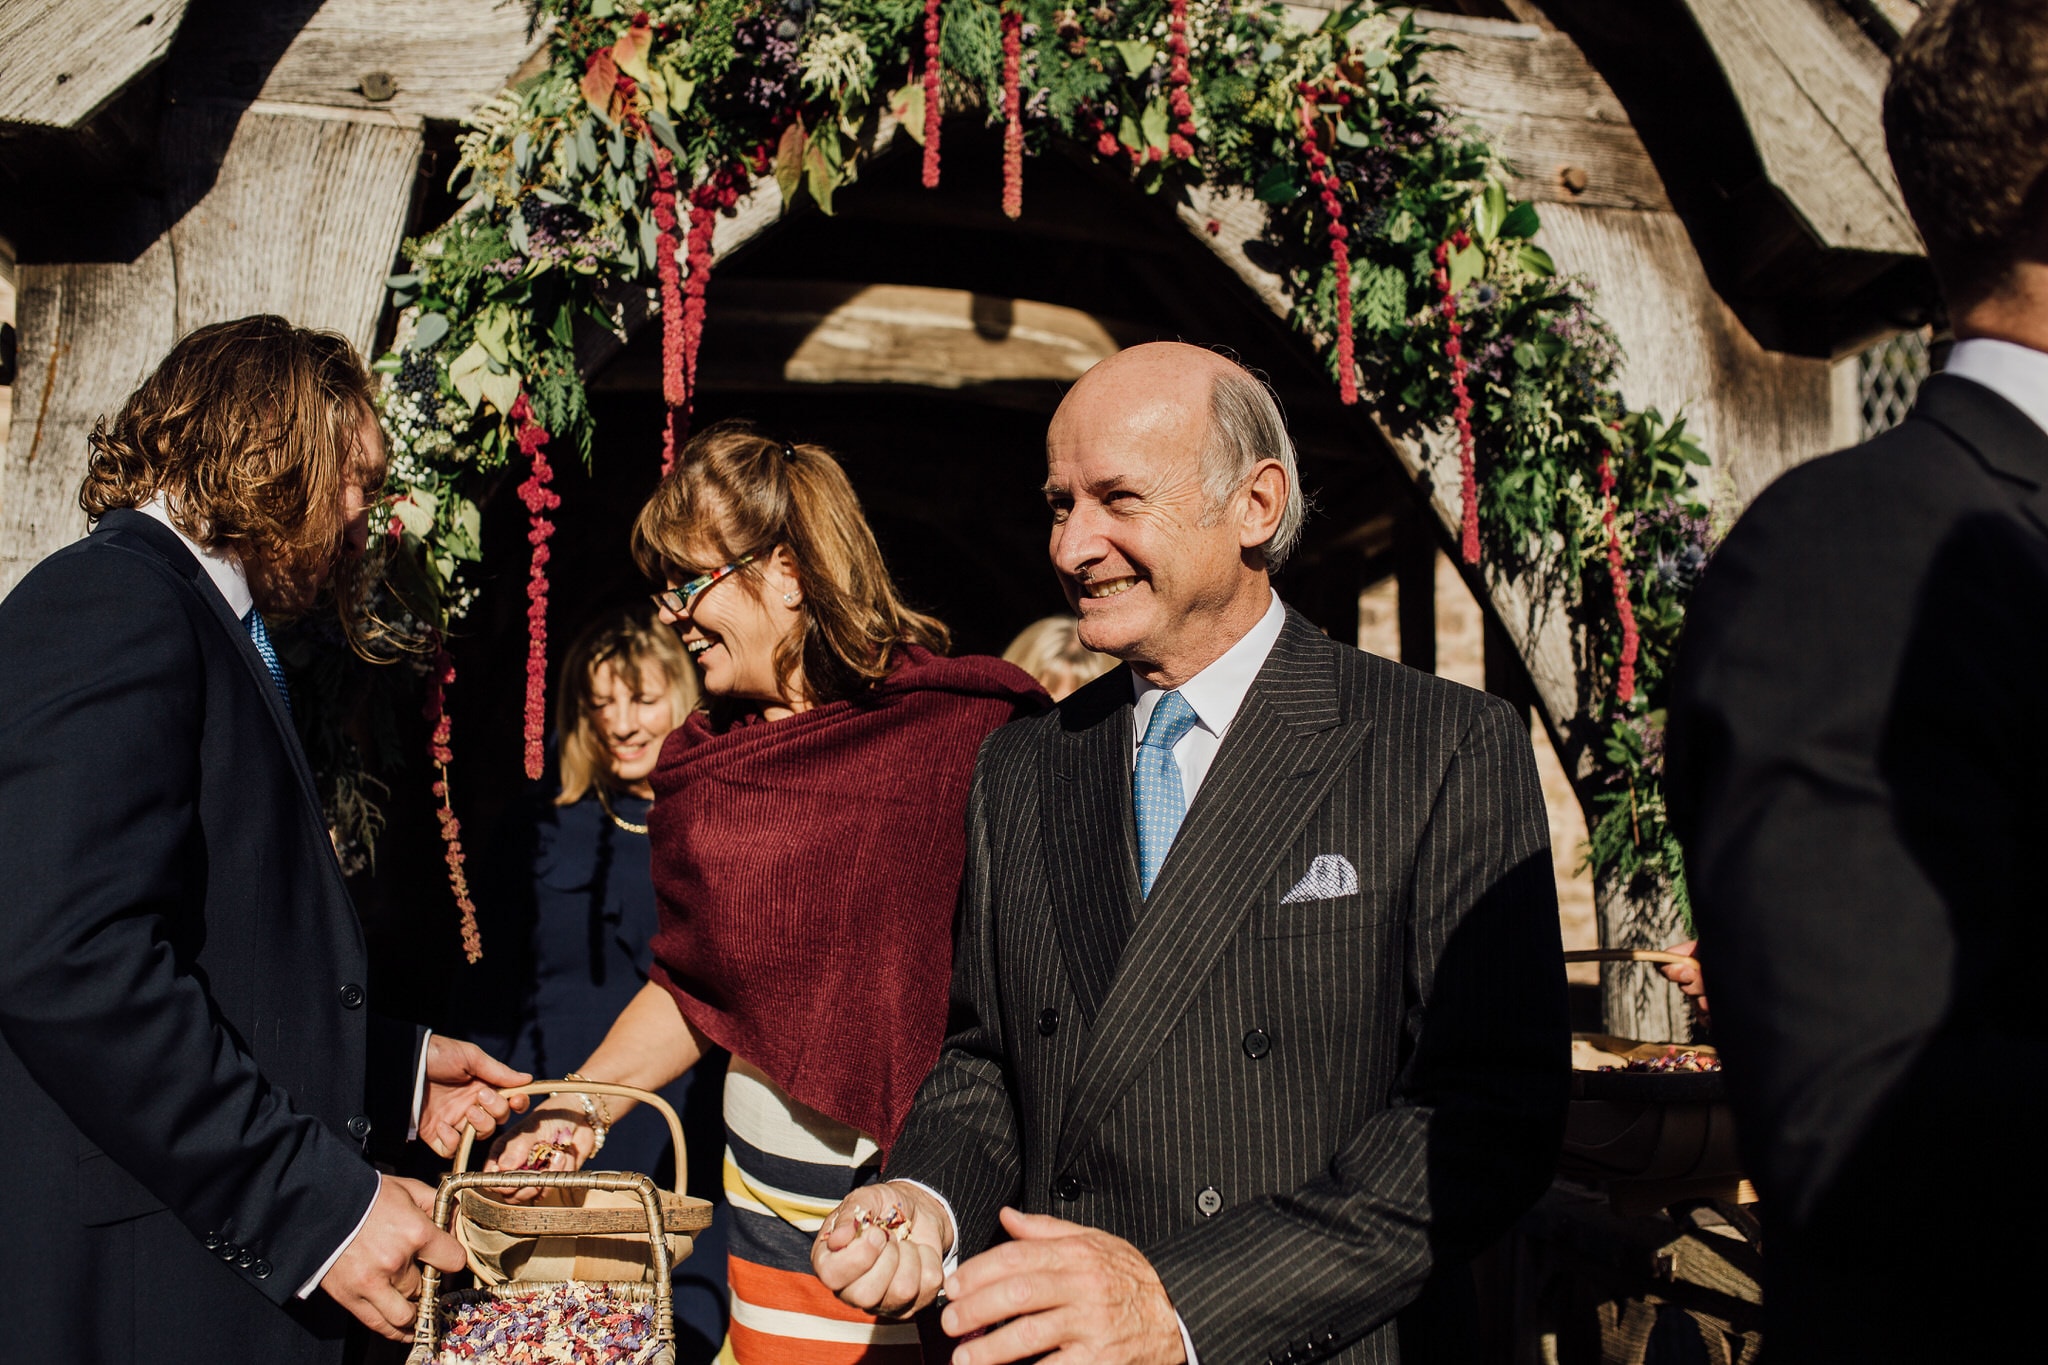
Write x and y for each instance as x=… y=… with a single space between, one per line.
x=786 y=1167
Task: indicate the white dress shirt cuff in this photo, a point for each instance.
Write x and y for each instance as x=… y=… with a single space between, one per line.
x=306 y=1289
x=412 y=1132
x=419 y=1086
x=1187 y=1343
x=951 y=1262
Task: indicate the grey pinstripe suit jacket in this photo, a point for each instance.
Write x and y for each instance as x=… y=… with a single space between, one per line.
x=1367 y=1087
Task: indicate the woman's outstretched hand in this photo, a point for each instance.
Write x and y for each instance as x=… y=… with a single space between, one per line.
x=883 y=1249
x=1689 y=977
x=552 y=1137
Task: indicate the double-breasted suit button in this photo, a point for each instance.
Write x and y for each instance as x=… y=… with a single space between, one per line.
x=352 y=996
x=1048 y=1022
x=359 y=1127
x=247 y=1260
x=261 y=1270
x=227 y=1251
x=1070 y=1188
x=1257 y=1044
x=1209 y=1201
x=213 y=1241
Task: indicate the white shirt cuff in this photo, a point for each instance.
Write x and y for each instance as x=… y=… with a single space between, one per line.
x=1187 y=1343
x=310 y=1285
x=419 y=1086
x=952 y=1259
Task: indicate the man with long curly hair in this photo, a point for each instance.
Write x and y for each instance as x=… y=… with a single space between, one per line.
x=189 y=1075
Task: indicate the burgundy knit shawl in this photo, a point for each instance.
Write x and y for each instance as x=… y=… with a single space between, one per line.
x=807 y=869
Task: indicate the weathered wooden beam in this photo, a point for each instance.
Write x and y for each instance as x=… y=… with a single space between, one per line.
x=302 y=218
x=402 y=57
x=1812 y=99
x=65 y=60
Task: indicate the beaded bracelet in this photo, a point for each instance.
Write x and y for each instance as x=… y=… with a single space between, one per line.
x=597 y=1111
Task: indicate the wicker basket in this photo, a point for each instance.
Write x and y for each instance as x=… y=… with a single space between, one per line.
x=602 y=1232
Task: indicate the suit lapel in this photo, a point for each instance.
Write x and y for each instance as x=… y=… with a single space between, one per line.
x=1090 y=844
x=172 y=550
x=1288 y=744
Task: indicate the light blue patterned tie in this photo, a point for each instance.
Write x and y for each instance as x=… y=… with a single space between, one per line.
x=1156 y=790
x=259 y=634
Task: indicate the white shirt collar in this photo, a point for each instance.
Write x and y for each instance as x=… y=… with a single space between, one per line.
x=222 y=566
x=1217 y=692
x=2018 y=374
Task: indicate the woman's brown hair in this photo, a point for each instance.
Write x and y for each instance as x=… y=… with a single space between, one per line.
x=634 y=647
x=735 y=492
x=248 y=428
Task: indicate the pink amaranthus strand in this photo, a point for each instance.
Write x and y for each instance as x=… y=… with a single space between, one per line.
x=721 y=191
x=1181 y=142
x=1013 y=110
x=1617 y=574
x=932 y=70
x=674 y=385
x=1454 y=349
x=439 y=676
x=1320 y=176
x=540 y=499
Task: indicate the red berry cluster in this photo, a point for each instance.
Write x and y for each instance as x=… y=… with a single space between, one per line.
x=436 y=711
x=1617 y=575
x=1013 y=111
x=1468 y=469
x=1320 y=175
x=720 y=191
x=1181 y=141
x=673 y=389
x=932 y=70
x=540 y=500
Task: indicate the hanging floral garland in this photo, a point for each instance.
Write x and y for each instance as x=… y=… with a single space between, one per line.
x=1408 y=264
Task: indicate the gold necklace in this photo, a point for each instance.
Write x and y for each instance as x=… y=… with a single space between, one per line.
x=626 y=825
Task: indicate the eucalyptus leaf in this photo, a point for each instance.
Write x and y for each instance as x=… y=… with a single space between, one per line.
x=666 y=132
x=1489 y=212
x=401 y=281
x=1350 y=136
x=522 y=152
x=428 y=332
x=586 y=146
x=615 y=150
x=650 y=240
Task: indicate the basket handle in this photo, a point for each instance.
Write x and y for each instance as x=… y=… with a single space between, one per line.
x=1657 y=955
x=675 y=1125
x=425 y=1329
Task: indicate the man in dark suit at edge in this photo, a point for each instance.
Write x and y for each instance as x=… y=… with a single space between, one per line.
x=1258 y=1023
x=184 y=1038
x=1855 y=765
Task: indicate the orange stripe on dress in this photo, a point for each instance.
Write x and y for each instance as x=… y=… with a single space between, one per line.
x=749 y=1347
x=791 y=1291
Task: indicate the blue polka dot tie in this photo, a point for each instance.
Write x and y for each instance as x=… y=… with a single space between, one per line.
x=259 y=634
x=1156 y=790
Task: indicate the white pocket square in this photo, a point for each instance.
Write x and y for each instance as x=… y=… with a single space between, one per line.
x=1331 y=875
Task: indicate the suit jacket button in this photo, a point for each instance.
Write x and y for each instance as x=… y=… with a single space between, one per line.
x=359 y=1127
x=1070 y=1188
x=1257 y=1044
x=1048 y=1021
x=261 y=1269
x=213 y=1241
x=247 y=1260
x=1209 y=1201
x=351 y=996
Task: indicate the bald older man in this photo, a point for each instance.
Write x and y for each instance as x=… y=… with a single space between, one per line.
x=1258 y=1027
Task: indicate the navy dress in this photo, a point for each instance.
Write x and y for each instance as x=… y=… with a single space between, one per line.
x=566 y=916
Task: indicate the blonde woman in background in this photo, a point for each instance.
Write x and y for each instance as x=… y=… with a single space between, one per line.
x=1051 y=651
x=569 y=913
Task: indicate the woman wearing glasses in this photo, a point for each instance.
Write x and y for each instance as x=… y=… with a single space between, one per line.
x=808 y=837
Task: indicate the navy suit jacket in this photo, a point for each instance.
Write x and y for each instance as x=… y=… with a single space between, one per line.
x=184 y=1032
